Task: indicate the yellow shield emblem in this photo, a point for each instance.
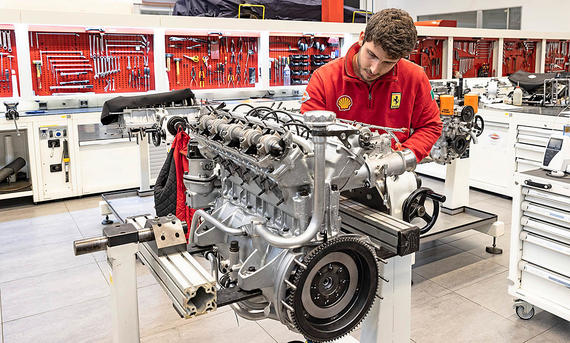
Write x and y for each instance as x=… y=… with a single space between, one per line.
x=396 y=99
x=344 y=102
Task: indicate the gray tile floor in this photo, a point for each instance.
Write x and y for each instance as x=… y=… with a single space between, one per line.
x=49 y=295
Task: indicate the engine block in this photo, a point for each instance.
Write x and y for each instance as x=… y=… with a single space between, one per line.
x=459 y=129
x=267 y=184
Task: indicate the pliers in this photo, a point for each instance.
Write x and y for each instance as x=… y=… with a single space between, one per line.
x=193 y=75
x=231 y=77
x=201 y=76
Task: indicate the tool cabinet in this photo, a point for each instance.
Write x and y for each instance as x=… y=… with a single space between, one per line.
x=539 y=266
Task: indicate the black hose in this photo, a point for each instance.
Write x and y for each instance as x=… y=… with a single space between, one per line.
x=307 y=130
x=240 y=105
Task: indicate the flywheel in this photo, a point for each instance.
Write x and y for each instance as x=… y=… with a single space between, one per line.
x=335 y=291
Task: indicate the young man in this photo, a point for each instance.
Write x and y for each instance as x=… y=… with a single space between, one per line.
x=373 y=84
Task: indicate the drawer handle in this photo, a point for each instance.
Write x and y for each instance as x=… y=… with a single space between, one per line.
x=537 y=184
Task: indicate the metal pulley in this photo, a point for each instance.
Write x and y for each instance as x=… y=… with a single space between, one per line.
x=459 y=145
x=174 y=124
x=334 y=287
x=467 y=113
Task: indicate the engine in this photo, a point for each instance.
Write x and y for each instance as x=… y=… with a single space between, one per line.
x=459 y=129
x=267 y=185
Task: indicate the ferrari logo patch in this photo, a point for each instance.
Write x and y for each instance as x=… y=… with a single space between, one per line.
x=396 y=98
x=305 y=97
x=344 y=102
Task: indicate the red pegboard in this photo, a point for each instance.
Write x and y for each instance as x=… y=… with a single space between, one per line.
x=473 y=57
x=557 y=56
x=72 y=62
x=8 y=63
x=303 y=54
x=519 y=54
x=207 y=62
x=428 y=54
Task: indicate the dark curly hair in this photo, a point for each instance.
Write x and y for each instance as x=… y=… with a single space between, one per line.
x=394 y=30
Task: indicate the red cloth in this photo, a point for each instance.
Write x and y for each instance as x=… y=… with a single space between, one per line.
x=335 y=87
x=180 y=146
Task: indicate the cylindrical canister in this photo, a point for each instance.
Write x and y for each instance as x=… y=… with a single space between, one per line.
x=446 y=103
x=8 y=149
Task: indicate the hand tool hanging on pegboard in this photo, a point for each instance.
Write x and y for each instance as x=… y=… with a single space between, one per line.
x=93 y=61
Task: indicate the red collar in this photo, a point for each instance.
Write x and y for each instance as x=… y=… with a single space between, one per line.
x=349 y=68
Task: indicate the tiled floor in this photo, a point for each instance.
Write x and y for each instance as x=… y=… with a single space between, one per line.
x=49 y=295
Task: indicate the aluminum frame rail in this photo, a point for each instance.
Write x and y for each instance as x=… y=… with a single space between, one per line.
x=191 y=288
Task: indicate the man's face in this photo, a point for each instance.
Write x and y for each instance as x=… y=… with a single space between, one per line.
x=372 y=61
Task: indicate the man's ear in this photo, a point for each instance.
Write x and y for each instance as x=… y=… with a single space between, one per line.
x=361 y=38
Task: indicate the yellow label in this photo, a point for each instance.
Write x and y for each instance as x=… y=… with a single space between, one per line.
x=396 y=99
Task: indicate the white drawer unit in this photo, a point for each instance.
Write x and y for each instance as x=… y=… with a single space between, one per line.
x=530 y=146
x=539 y=265
x=534 y=135
x=538 y=249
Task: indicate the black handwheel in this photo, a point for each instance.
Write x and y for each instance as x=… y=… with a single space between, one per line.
x=478 y=125
x=467 y=114
x=158 y=136
x=414 y=207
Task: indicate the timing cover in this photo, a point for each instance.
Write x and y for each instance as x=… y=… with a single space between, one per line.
x=336 y=290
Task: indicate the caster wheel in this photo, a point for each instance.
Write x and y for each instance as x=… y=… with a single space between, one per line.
x=524 y=315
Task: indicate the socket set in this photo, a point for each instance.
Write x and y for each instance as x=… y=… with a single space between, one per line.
x=473 y=57
x=519 y=54
x=428 y=54
x=557 y=56
x=92 y=61
x=9 y=85
x=214 y=60
x=293 y=59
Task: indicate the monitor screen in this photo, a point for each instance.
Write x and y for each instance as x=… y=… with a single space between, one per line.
x=555 y=143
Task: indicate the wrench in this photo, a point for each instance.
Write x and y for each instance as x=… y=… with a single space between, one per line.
x=8 y=35
x=77 y=73
x=76 y=82
x=4 y=45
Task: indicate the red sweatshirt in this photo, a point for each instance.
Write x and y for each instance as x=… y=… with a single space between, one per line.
x=402 y=98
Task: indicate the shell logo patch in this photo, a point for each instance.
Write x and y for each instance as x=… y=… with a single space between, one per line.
x=344 y=103
x=305 y=97
x=395 y=102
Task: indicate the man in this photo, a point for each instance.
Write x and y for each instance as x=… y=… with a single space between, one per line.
x=375 y=85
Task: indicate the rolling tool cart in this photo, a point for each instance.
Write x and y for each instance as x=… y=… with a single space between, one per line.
x=539 y=266
x=211 y=60
x=78 y=60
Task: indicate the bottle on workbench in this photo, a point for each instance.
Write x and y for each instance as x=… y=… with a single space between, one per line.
x=287 y=74
x=517 y=96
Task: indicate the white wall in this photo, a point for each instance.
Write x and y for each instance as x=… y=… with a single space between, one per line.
x=543 y=16
x=76 y=6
